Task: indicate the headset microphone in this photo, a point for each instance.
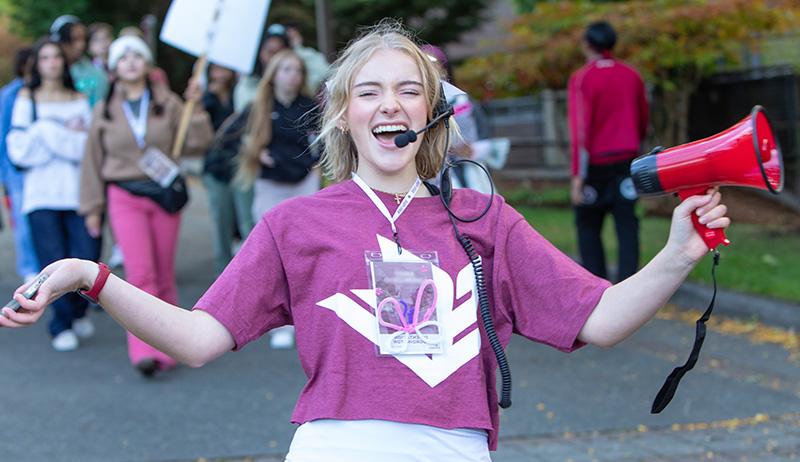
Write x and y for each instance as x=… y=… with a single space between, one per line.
x=402 y=140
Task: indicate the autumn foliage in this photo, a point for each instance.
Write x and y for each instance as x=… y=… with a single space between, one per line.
x=673 y=43
x=9 y=44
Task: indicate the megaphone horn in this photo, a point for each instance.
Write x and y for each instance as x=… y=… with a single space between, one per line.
x=746 y=154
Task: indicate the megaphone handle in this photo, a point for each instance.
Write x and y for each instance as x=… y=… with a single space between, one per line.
x=712 y=237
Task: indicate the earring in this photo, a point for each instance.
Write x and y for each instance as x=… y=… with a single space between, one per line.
x=343 y=127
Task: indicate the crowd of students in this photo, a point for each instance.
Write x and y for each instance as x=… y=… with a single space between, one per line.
x=82 y=119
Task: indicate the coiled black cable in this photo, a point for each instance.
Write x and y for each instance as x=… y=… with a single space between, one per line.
x=486 y=317
x=480 y=281
x=445 y=195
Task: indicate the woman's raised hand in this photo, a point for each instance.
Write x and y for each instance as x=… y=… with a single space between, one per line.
x=683 y=239
x=194 y=91
x=265 y=158
x=94 y=224
x=63 y=276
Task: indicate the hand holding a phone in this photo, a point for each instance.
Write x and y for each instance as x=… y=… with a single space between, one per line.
x=57 y=279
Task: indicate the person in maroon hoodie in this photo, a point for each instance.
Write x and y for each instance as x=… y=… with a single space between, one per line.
x=608 y=117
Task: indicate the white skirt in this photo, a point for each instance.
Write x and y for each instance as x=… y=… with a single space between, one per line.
x=381 y=440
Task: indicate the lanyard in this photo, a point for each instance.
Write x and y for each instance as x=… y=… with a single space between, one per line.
x=138 y=124
x=382 y=208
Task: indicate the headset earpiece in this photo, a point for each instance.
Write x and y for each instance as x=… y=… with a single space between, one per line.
x=446 y=185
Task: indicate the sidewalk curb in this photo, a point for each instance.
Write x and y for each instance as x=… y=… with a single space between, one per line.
x=729 y=303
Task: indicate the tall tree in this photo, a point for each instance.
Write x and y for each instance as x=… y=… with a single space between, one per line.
x=32 y=18
x=436 y=22
x=526 y=6
x=439 y=22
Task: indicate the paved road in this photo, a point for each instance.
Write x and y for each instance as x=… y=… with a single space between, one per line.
x=742 y=402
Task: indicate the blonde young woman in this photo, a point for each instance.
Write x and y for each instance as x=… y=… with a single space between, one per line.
x=306 y=264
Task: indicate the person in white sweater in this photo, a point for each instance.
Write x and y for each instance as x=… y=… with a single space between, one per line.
x=46 y=141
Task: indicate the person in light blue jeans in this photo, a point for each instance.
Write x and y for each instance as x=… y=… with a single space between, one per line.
x=27 y=264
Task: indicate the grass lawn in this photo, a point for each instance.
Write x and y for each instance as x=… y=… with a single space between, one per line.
x=759 y=261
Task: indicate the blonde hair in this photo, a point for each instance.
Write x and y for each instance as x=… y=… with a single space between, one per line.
x=340 y=157
x=258 y=132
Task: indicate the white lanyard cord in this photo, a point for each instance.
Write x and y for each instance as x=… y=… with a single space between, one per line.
x=138 y=124
x=382 y=207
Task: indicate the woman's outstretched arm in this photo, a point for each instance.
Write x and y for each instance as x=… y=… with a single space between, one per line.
x=628 y=305
x=191 y=337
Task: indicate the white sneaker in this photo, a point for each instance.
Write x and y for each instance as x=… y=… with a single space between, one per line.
x=65 y=341
x=83 y=327
x=116 y=259
x=282 y=338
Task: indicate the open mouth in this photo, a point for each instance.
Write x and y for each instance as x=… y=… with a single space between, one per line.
x=386 y=133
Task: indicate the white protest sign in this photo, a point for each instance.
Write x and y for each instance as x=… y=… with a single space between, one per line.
x=230 y=39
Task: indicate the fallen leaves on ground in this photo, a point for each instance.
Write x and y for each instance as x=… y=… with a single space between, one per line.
x=754 y=331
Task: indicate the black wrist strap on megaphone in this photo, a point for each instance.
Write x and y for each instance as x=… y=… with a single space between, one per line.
x=670 y=386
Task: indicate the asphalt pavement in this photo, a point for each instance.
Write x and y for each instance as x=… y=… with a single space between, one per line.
x=741 y=403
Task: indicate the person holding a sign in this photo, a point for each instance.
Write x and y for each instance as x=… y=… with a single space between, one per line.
x=382 y=293
x=127 y=174
x=48 y=133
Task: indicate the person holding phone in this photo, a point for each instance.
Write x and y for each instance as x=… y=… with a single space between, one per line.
x=348 y=266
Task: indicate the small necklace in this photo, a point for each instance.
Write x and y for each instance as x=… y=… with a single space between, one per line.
x=398 y=197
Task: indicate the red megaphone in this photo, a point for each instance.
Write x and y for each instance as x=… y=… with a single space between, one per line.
x=747 y=154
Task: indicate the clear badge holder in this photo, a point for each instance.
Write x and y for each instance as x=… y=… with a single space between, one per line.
x=407 y=319
x=159 y=167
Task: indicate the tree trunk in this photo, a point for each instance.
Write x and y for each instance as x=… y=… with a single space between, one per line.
x=670 y=121
x=670 y=117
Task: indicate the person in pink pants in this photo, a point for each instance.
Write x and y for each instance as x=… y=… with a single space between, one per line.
x=148 y=237
x=137 y=117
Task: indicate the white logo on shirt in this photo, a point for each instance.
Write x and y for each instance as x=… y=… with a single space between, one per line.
x=432 y=370
x=627 y=189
